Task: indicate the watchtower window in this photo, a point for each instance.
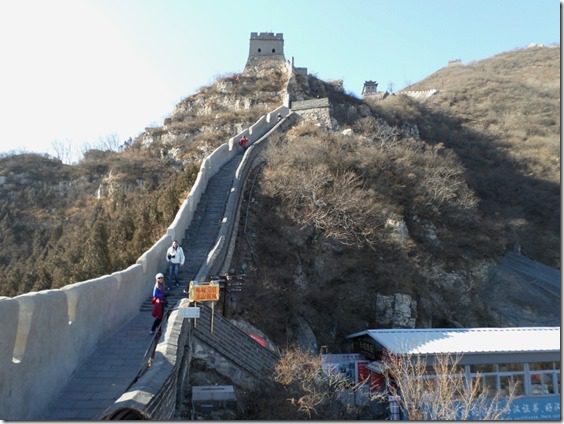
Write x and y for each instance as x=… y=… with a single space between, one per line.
x=273 y=50
x=259 y=50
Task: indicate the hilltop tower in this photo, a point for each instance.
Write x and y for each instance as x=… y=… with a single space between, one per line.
x=265 y=46
x=370 y=88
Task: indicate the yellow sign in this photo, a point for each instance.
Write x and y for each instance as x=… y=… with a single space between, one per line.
x=203 y=292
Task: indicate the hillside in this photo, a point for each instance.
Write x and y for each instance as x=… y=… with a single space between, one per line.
x=502 y=118
x=393 y=216
x=67 y=223
x=421 y=199
x=392 y=213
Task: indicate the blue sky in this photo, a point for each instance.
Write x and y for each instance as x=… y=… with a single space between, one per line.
x=79 y=71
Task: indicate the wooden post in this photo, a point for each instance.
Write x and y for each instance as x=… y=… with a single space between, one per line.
x=211 y=326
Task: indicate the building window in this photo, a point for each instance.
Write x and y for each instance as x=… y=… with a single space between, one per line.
x=507 y=382
x=510 y=367
x=536 y=366
x=259 y=50
x=490 y=385
x=482 y=368
x=273 y=50
x=542 y=384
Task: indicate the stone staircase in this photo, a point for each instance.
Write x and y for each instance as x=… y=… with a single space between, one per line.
x=201 y=235
x=234 y=344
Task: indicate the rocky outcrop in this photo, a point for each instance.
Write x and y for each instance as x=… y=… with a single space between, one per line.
x=200 y=123
x=396 y=311
x=398 y=229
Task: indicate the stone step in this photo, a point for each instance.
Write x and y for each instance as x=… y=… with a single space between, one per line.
x=201 y=235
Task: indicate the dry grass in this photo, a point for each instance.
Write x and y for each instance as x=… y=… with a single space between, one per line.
x=500 y=117
x=347 y=187
x=513 y=97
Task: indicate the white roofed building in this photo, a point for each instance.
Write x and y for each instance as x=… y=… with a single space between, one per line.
x=475 y=345
x=499 y=357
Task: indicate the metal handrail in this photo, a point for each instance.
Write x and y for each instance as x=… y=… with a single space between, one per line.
x=149 y=355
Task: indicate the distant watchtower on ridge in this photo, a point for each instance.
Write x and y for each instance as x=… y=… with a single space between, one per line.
x=370 y=88
x=265 y=46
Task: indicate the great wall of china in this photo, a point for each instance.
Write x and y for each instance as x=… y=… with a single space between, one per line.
x=50 y=337
x=47 y=335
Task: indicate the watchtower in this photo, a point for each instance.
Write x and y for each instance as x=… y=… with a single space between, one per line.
x=370 y=88
x=265 y=45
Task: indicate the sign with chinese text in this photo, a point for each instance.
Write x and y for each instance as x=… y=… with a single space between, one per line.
x=534 y=408
x=203 y=292
x=529 y=408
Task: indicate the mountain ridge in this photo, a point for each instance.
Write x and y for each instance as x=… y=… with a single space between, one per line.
x=317 y=263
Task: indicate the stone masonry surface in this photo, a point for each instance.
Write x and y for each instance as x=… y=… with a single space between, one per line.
x=114 y=364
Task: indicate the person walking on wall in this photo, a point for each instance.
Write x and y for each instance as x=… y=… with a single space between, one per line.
x=158 y=301
x=175 y=259
x=244 y=142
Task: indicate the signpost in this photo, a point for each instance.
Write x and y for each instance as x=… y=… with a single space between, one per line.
x=204 y=293
x=210 y=291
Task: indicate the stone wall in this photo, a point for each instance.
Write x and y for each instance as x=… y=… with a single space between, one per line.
x=40 y=328
x=158 y=392
x=163 y=387
x=315 y=110
x=265 y=46
x=421 y=94
x=223 y=366
x=255 y=134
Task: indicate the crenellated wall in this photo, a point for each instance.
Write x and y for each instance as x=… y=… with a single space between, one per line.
x=420 y=94
x=266 y=44
x=45 y=335
x=156 y=392
x=257 y=133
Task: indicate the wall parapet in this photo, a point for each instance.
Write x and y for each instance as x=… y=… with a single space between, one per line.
x=257 y=133
x=40 y=328
x=420 y=94
x=311 y=104
x=154 y=396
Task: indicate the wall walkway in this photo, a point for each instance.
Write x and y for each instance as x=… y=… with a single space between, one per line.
x=48 y=336
x=165 y=386
x=115 y=362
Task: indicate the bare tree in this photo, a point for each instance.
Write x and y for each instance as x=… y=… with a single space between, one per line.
x=109 y=142
x=440 y=391
x=63 y=150
x=335 y=201
x=309 y=386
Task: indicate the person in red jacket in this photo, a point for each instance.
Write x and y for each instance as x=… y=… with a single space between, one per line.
x=244 y=142
x=158 y=301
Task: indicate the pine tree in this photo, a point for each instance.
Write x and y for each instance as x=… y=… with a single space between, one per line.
x=95 y=258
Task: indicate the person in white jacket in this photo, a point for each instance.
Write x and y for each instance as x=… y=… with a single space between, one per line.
x=175 y=259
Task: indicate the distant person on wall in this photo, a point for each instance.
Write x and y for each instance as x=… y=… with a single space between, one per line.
x=175 y=259
x=279 y=117
x=244 y=142
x=158 y=301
